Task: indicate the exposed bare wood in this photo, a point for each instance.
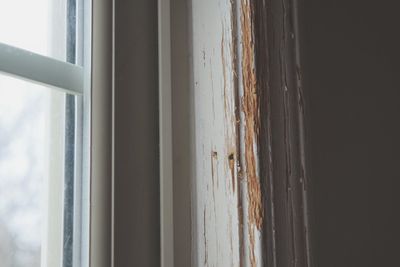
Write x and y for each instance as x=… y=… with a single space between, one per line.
x=249 y=161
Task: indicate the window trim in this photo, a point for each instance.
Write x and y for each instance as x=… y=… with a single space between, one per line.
x=100 y=137
x=165 y=132
x=136 y=199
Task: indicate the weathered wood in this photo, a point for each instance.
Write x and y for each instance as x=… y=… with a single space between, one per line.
x=216 y=207
x=282 y=149
x=249 y=181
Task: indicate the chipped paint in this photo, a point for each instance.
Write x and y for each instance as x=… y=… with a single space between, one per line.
x=249 y=138
x=234 y=169
x=214 y=167
x=236 y=201
x=252 y=253
x=216 y=146
x=250 y=105
x=231 y=159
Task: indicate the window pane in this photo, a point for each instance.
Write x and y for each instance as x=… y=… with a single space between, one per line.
x=31 y=174
x=35 y=25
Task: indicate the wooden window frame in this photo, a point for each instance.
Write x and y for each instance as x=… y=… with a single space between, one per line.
x=142 y=196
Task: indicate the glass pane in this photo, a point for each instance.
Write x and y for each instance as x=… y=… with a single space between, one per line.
x=31 y=174
x=35 y=25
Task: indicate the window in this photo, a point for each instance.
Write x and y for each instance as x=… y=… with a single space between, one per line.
x=43 y=133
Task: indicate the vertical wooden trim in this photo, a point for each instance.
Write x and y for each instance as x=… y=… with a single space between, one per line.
x=272 y=135
x=136 y=135
x=165 y=125
x=101 y=135
x=181 y=132
x=282 y=151
x=250 y=183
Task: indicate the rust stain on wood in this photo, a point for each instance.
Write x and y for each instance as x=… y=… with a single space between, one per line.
x=234 y=44
x=253 y=260
x=251 y=109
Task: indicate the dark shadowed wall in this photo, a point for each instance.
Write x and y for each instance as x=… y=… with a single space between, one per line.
x=351 y=61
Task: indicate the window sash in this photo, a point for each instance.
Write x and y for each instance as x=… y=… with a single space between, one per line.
x=41 y=69
x=75 y=81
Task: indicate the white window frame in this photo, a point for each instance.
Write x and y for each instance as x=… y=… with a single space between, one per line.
x=41 y=69
x=97 y=110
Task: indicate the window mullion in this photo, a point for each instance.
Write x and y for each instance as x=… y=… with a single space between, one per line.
x=41 y=69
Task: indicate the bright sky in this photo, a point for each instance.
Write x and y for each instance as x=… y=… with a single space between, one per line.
x=26 y=24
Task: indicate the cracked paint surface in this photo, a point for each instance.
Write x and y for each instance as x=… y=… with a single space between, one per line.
x=227 y=127
x=238 y=59
x=216 y=219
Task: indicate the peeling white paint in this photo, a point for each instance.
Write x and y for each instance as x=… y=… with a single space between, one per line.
x=225 y=234
x=216 y=206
